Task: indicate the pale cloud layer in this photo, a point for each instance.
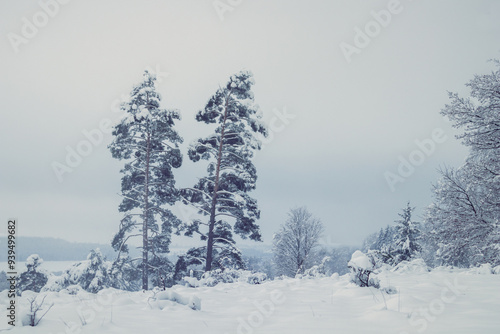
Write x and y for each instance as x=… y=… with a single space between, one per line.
x=351 y=120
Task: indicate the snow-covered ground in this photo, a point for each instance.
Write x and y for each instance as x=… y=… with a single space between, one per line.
x=442 y=301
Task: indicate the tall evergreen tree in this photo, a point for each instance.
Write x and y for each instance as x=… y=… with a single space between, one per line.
x=222 y=194
x=383 y=244
x=407 y=237
x=379 y=241
x=147 y=140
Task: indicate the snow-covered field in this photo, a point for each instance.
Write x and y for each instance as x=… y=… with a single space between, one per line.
x=442 y=301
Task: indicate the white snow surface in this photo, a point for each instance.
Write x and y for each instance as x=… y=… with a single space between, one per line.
x=360 y=260
x=158 y=300
x=444 y=300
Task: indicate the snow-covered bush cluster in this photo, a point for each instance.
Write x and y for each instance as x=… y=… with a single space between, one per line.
x=92 y=275
x=362 y=266
x=316 y=271
x=339 y=257
x=256 y=278
x=214 y=277
x=95 y=274
x=485 y=269
x=125 y=275
x=414 y=266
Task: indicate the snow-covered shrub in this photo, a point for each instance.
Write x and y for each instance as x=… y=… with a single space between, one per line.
x=362 y=266
x=124 y=275
x=54 y=284
x=191 y=264
x=92 y=275
x=214 y=277
x=180 y=269
x=417 y=266
x=37 y=309
x=95 y=276
x=316 y=271
x=496 y=270
x=256 y=278
x=339 y=256
x=483 y=269
x=32 y=279
x=390 y=290
x=191 y=282
x=261 y=264
x=72 y=290
x=158 y=300
x=161 y=272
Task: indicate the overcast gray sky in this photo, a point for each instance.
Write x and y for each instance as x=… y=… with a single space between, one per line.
x=353 y=118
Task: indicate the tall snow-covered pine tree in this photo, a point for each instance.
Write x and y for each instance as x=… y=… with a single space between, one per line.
x=222 y=195
x=146 y=139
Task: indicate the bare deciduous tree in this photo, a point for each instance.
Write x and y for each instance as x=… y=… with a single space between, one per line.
x=295 y=242
x=465 y=216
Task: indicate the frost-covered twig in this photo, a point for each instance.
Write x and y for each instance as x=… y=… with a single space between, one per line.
x=34 y=308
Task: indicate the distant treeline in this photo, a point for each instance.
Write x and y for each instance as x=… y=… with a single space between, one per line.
x=52 y=249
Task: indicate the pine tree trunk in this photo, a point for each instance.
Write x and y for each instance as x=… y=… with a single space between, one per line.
x=145 y=220
x=211 y=226
x=210 y=241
